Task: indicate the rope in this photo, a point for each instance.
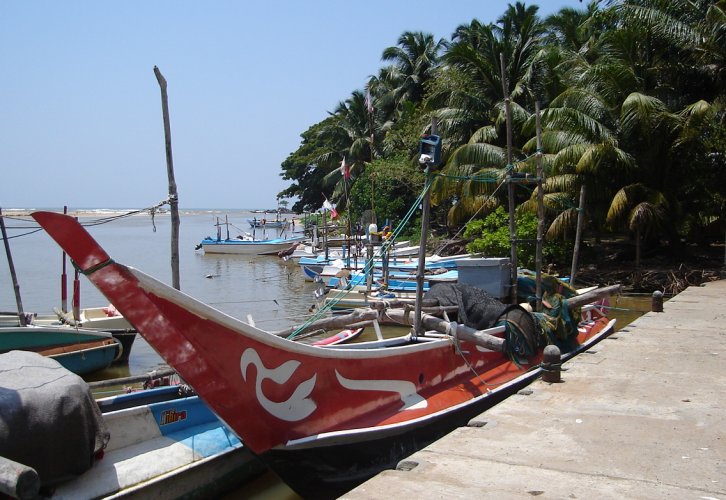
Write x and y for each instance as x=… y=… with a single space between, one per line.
x=95 y=222
x=368 y=266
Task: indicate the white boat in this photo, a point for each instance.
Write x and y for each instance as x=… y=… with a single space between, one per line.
x=249 y=247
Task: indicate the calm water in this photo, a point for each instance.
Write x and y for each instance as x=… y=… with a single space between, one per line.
x=272 y=291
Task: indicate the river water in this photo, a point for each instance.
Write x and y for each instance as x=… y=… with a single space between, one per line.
x=269 y=290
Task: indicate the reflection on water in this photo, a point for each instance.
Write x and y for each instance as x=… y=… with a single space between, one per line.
x=266 y=487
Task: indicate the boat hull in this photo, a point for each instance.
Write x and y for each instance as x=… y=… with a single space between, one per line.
x=174 y=448
x=242 y=247
x=90 y=359
x=79 y=351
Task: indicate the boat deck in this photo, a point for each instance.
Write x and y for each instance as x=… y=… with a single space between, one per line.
x=640 y=415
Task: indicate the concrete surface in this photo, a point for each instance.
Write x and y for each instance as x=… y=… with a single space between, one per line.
x=640 y=415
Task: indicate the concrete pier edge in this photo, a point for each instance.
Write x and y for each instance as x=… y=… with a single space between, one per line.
x=640 y=415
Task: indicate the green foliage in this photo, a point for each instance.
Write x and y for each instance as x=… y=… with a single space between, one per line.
x=490 y=236
x=632 y=95
x=389 y=187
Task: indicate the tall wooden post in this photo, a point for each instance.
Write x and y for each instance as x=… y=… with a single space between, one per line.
x=510 y=184
x=425 y=209
x=173 y=196
x=578 y=235
x=540 y=212
x=13 y=276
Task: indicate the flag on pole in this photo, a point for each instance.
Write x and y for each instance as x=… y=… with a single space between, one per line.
x=369 y=101
x=344 y=170
x=329 y=206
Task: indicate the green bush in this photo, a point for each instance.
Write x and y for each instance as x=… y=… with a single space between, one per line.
x=490 y=236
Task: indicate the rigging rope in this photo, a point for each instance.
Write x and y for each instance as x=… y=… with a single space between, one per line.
x=94 y=222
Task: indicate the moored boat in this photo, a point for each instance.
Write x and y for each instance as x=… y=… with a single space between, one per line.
x=148 y=444
x=327 y=419
x=249 y=247
x=79 y=350
x=104 y=319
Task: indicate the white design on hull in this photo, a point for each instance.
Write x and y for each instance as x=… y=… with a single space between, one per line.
x=406 y=390
x=298 y=406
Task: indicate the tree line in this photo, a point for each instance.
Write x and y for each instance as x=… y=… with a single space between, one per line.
x=632 y=108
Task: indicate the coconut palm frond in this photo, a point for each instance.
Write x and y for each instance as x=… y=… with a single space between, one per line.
x=569 y=156
x=483 y=182
x=562 y=183
x=462 y=211
x=554 y=141
x=641 y=113
x=478 y=154
x=658 y=23
x=486 y=134
x=573 y=119
x=565 y=223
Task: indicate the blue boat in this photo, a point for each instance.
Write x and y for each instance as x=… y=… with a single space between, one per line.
x=78 y=350
x=172 y=449
x=155 y=443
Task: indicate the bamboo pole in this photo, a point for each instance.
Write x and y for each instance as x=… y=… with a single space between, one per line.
x=510 y=185
x=592 y=296
x=458 y=330
x=173 y=196
x=13 y=276
x=338 y=321
x=540 y=212
x=578 y=235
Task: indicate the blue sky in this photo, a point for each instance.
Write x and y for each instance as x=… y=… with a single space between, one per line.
x=80 y=108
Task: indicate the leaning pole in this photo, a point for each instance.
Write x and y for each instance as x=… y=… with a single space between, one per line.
x=173 y=196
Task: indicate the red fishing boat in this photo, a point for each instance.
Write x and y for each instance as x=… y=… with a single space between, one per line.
x=324 y=419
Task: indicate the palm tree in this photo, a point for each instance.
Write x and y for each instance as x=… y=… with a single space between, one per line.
x=414 y=61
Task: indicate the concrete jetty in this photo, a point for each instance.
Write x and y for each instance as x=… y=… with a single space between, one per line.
x=640 y=415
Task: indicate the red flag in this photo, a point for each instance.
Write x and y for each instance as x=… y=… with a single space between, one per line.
x=344 y=170
x=329 y=206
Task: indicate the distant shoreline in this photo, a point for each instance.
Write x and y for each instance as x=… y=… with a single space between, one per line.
x=110 y=212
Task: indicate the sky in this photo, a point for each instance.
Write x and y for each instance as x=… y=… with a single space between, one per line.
x=80 y=108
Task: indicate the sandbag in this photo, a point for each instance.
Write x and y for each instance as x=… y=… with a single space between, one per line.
x=48 y=418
